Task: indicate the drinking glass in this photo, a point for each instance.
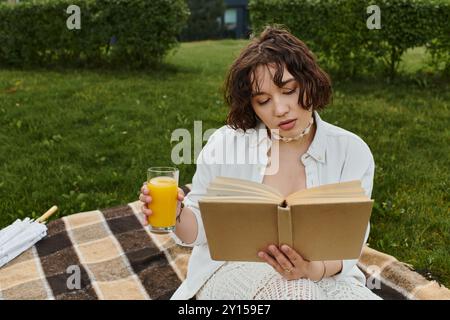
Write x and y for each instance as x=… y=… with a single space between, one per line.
x=162 y=183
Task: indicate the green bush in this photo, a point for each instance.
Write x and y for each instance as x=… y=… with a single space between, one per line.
x=439 y=47
x=133 y=33
x=408 y=24
x=336 y=30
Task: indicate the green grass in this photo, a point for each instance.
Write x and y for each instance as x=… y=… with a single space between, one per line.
x=83 y=139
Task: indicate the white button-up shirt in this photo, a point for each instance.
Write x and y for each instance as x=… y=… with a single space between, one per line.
x=335 y=155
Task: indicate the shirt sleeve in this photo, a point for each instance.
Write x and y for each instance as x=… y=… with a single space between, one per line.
x=205 y=172
x=359 y=165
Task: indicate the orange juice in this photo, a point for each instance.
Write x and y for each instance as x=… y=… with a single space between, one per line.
x=163 y=191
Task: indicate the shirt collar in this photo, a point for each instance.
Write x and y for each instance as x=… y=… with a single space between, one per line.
x=316 y=149
x=318 y=145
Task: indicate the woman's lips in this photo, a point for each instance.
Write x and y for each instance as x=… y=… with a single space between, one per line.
x=288 y=126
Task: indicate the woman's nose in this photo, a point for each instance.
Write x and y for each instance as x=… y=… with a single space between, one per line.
x=281 y=108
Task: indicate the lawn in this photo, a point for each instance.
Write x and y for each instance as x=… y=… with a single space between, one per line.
x=83 y=139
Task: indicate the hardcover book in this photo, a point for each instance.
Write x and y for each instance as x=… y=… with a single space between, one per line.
x=242 y=217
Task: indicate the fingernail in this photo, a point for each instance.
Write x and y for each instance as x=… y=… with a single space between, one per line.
x=261 y=254
x=285 y=248
x=148 y=199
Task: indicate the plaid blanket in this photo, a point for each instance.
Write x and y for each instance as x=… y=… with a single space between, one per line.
x=108 y=254
x=114 y=256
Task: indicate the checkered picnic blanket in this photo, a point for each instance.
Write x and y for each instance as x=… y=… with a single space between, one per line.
x=114 y=255
x=117 y=258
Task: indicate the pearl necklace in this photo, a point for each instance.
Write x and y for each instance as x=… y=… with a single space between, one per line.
x=297 y=137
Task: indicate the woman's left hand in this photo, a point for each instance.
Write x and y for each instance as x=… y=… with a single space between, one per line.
x=290 y=264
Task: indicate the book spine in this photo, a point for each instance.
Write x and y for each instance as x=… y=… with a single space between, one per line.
x=285 y=226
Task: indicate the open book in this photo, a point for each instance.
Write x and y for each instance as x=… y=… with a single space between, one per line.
x=242 y=217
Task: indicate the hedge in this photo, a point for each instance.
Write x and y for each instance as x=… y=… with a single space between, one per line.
x=134 y=33
x=336 y=30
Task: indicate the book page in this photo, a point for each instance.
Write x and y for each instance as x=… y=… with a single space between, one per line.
x=240 y=184
x=217 y=191
x=229 y=189
x=330 y=200
x=239 y=188
x=239 y=199
x=343 y=194
x=352 y=188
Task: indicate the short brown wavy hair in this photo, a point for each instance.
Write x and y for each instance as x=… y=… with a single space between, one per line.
x=275 y=46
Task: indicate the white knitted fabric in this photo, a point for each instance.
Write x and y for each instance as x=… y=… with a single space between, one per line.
x=259 y=281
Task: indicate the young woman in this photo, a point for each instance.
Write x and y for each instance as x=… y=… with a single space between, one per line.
x=274 y=90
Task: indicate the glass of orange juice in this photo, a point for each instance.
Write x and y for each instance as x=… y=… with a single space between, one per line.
x=162 y=182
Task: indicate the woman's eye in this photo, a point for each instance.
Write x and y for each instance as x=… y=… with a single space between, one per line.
x=290 y=92
x=287 y=92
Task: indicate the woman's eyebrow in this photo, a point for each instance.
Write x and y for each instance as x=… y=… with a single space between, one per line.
x=254 y=94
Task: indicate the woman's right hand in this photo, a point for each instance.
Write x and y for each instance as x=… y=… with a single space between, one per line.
x=146 y=199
